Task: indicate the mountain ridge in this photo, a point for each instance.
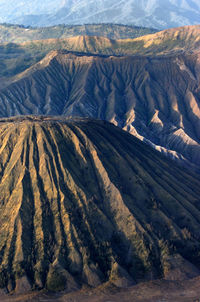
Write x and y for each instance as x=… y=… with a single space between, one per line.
x=17 y=57
x=18 y=34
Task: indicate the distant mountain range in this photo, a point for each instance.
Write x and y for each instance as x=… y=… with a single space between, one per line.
x=149 y=13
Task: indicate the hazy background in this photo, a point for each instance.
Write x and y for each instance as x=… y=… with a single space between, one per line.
x=151 y=13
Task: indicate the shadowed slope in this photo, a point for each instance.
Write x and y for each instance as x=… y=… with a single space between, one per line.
x=85 y=202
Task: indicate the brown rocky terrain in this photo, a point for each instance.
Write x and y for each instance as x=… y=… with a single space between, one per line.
x=83 y=203
x=154 y=98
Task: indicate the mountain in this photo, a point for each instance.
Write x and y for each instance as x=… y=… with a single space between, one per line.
x=11 y=10
x=83 y=202
x=154 y=98
x=19 y=34
x=148 y=13
x=16 y=57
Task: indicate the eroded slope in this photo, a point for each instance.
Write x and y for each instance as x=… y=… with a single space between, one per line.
x=156 y=99
x=83 y=202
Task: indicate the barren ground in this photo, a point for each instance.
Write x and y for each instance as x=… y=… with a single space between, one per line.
x=153 y=291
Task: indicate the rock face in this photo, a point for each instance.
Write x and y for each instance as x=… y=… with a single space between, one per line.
x=154 y=98
x=83 y=202
x=150 y=13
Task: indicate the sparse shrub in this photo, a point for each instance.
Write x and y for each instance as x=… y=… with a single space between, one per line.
x=55 y=281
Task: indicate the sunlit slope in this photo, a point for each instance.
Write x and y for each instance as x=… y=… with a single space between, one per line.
x=83 y=202
x=173 y=40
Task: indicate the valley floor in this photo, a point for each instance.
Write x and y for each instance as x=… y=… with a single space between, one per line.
x=153 y=291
